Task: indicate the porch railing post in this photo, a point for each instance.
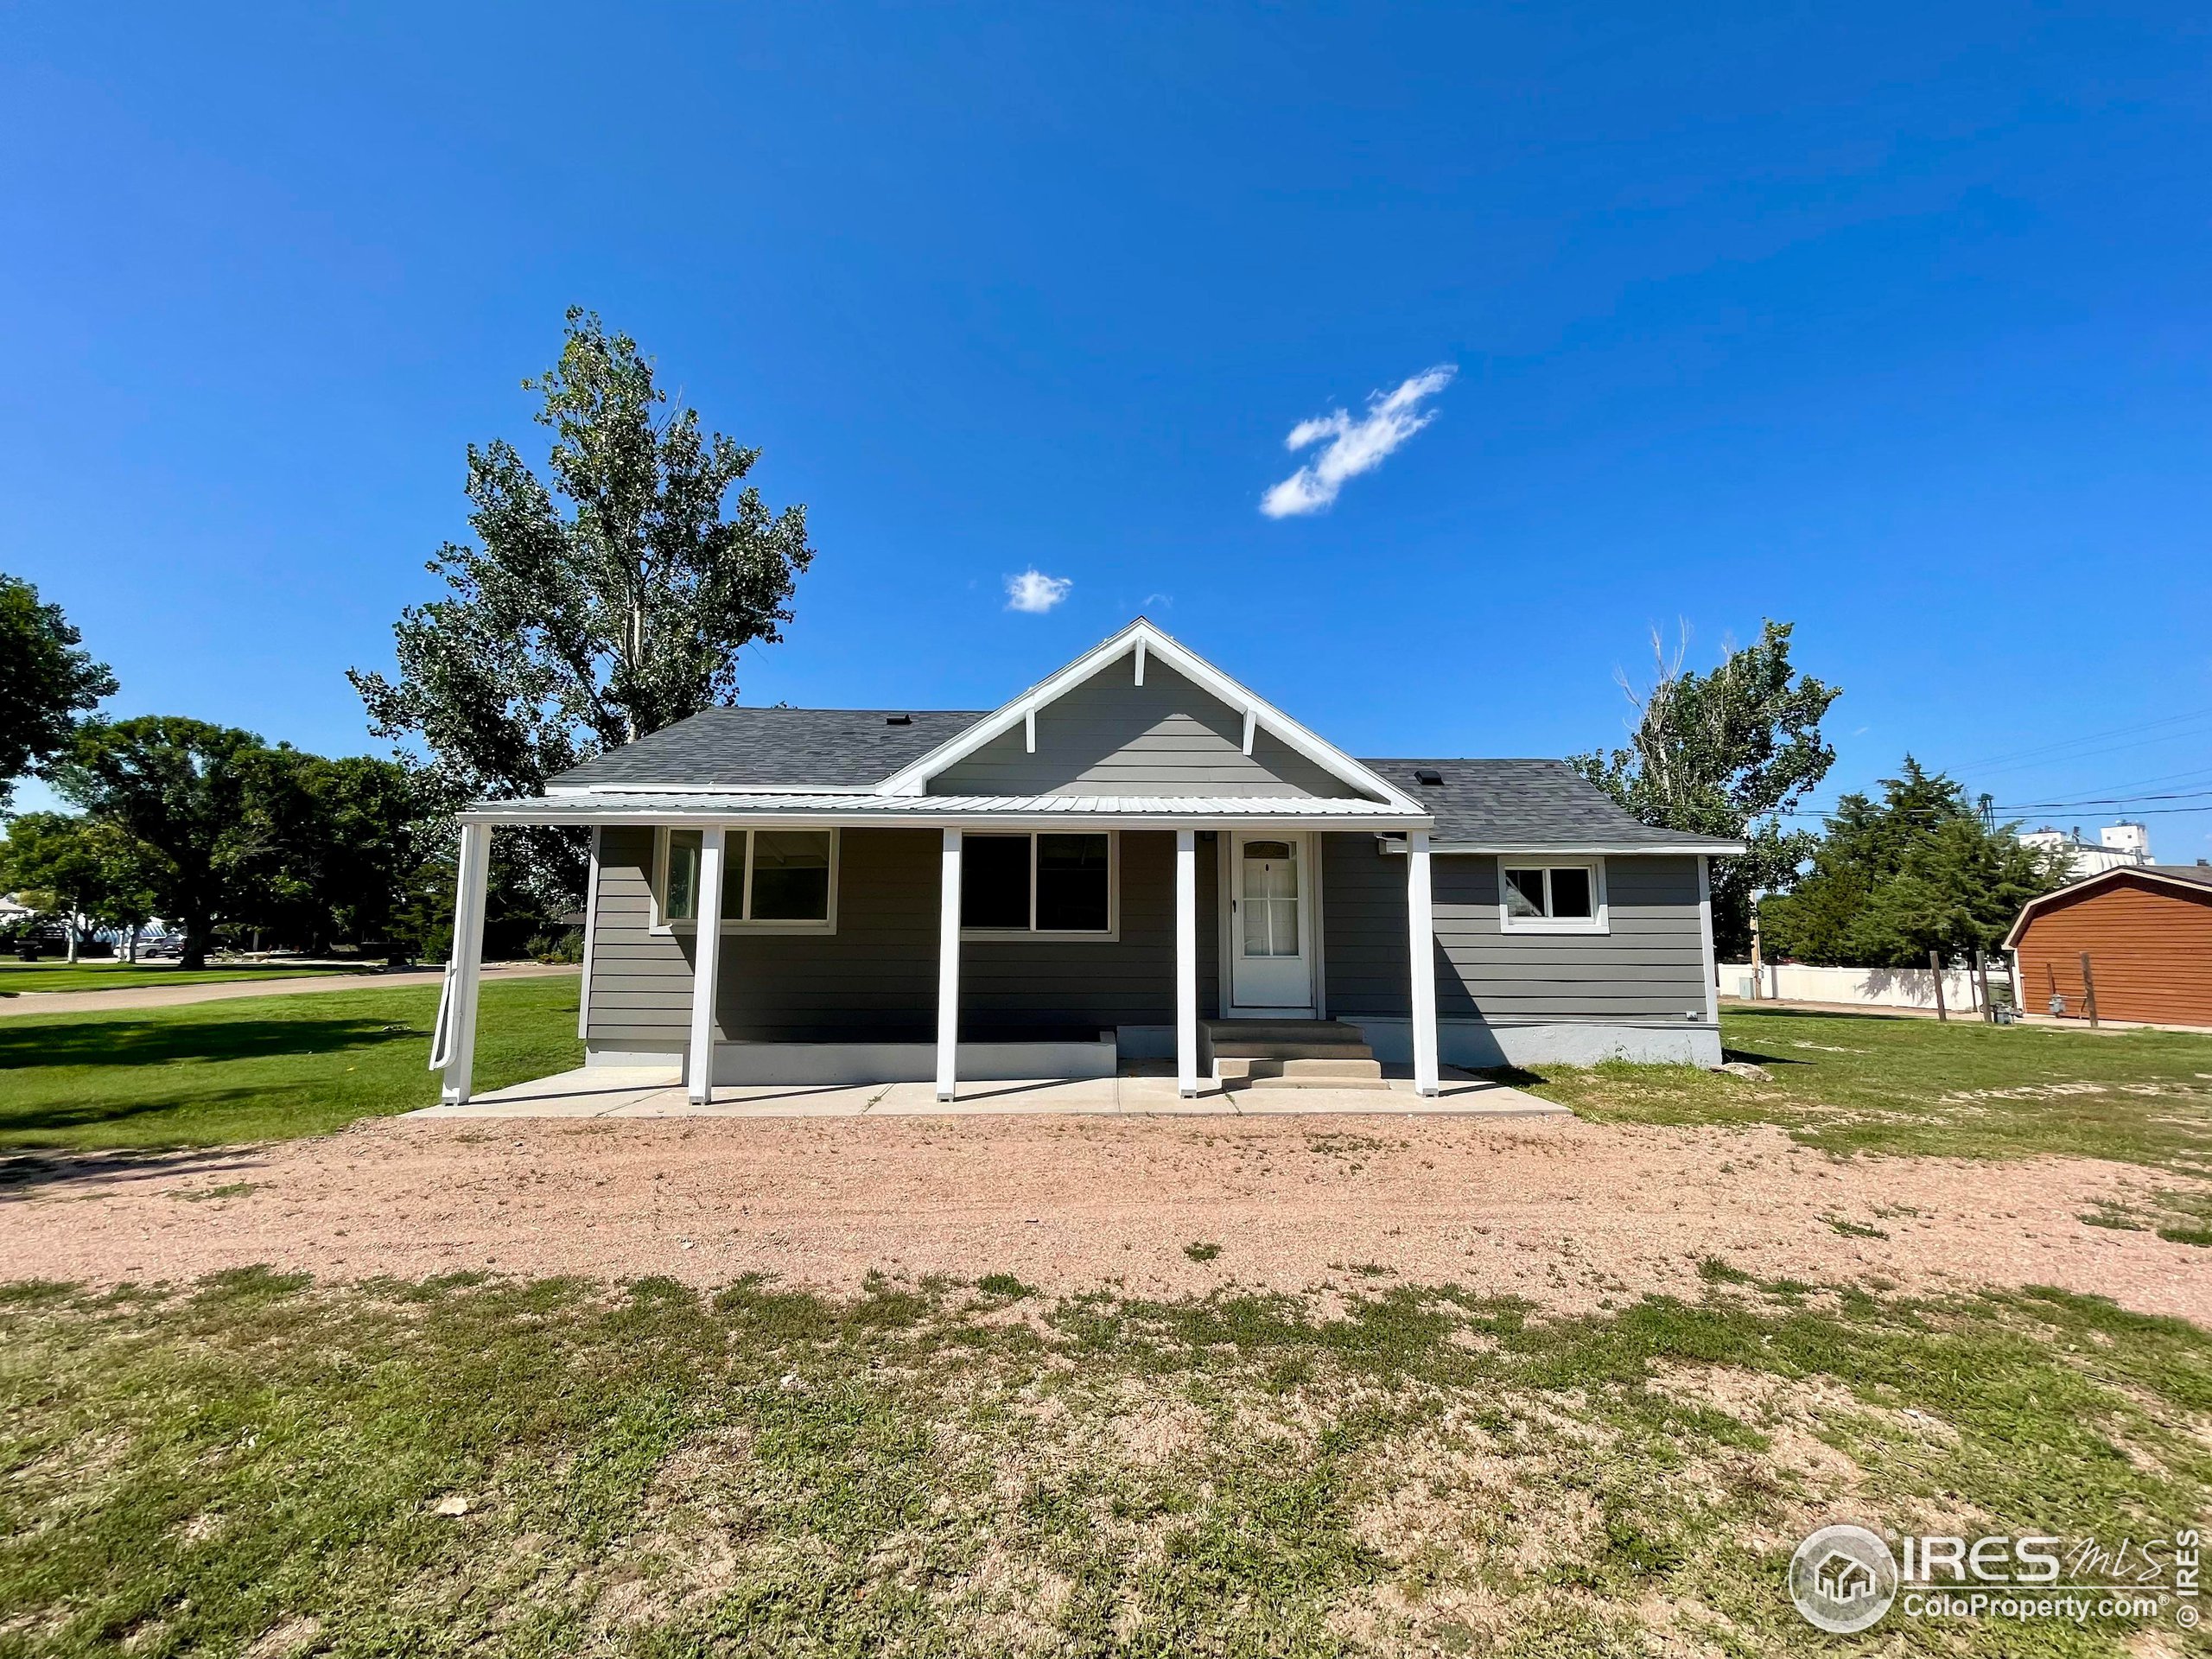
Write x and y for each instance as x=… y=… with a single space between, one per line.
x=1421 y=939
x=948 y=969
x=706 y=964
x=466 y=962
x=1186 y=963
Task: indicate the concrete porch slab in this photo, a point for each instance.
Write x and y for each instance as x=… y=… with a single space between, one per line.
x=625 y=1092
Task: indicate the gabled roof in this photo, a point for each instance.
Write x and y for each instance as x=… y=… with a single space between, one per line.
x=1140 y=642
x=795 y=748
x=1505 y=806
x=2192 y=879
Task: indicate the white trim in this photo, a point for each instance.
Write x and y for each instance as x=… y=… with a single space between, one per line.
x=1165 y=816
x=1320 y=933
x=1396 y=843
x=1186 y=963
x=582 y=791
x=660 y=921
x=706 y=966
x=471 y=878
x=1139 y=654
x=1142 y=635
x=948 y=967
x=1421 y=945
x=1705 y=931
x=1112 y=933
x=1600 y=921
x=1029 y=730
x=591 y=931
x=1251 y=721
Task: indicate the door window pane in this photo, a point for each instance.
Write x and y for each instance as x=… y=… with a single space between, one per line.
x=1270 y=906
x=1571 y=893
x=791 y=876
x=994 y=882
x=1073 y=880
x=1524 y=892
x=680 y=893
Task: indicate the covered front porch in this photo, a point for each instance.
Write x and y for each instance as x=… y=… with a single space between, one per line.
x=906 y=974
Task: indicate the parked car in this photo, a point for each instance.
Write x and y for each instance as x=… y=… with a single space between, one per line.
x=167 y=946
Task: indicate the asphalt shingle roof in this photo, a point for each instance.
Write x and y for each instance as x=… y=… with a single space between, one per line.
x=1523 y=804
x=833 y=748
x=1492 y=803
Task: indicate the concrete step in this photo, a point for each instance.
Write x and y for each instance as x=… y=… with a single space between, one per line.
x=1283 y=1031
x=1320 y=1069
x=1240 y=1084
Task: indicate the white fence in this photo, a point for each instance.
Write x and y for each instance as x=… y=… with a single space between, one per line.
x=1873 y=987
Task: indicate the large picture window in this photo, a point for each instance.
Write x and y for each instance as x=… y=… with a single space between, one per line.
x=777 y=880
x=1039 y=883
x=1551 y=898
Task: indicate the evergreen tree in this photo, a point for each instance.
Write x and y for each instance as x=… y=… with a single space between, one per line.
x=1893 y=880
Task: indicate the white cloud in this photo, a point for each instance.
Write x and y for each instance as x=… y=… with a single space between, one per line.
x=1354 y=446
x=1035 y=592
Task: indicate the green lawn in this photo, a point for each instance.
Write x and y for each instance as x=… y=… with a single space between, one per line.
x=260 y=1068
x=1866 y=1083
x=471 y=1466
x=118 y=975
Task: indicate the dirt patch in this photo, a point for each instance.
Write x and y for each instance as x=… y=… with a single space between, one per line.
x=1571 y=1215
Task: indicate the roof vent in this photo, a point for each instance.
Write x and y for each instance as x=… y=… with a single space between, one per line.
x=898 y=719
x=1428 y=775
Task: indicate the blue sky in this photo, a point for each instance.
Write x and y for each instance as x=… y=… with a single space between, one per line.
x=1889 y=321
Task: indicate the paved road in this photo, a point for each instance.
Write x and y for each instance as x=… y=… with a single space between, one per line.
x=170 y=996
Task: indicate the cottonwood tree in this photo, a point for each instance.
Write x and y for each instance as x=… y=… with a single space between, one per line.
x=46 y=682
x=1724 y=753
x=1914 y=872
x=568 y=629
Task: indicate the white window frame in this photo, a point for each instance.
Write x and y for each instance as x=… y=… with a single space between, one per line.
x=1112 y=932
x=1599 y=921
x=739 y=868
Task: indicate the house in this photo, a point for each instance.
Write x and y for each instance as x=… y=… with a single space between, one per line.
x=1136 y=859
x=2118 y=847
x=2146 y=933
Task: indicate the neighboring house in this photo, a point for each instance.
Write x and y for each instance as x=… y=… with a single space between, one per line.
x=2147 y=933
x=2118 y=847
x=1138 y=858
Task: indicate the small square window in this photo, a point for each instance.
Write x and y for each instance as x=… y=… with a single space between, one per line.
x=1074 y=884
x=791 y=876
x=1571 y=897
x=1524 y=892
x=994 y=882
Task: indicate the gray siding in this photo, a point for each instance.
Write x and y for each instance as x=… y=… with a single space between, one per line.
x=875 y=978
x=1649 y=966
x=1111 y=736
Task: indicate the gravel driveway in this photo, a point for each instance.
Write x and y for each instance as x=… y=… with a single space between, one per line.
x=1568 y=1214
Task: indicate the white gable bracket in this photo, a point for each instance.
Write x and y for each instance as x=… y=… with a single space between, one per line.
x=1140 y=656
x=1251 y=723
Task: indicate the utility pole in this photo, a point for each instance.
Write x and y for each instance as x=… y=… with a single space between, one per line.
x=1758 y=973
x=2089 y=989
x=1981 y=983
x=1935 y=967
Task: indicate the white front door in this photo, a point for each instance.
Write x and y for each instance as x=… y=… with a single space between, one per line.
x=1270 y=925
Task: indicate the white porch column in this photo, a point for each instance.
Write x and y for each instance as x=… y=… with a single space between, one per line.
x=948 y=969
x=1186 y=963
x=706 y=964
x=1422 y=937
x=465 y=963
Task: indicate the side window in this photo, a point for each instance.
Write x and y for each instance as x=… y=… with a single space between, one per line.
x=783 y=880
x=1043 y=883
x=1552 y=897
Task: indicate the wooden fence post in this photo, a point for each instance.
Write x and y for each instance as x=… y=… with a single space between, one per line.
x=1981 y=982
x=2089 y=989
x=1935 y=967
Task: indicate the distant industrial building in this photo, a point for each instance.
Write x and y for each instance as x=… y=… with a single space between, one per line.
x=2118 y=847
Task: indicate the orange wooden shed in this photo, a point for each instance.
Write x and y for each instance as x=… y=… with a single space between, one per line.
x=2148 y=933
